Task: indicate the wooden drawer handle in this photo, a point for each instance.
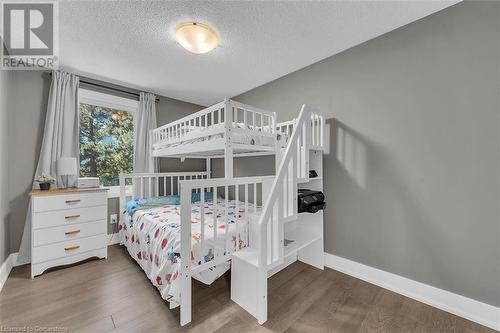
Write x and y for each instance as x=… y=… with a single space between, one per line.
x=72 y=217
x=72 y=232
x=73 y=201
x=69 y=248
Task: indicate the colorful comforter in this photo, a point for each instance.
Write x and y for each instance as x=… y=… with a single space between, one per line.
x=152 y=237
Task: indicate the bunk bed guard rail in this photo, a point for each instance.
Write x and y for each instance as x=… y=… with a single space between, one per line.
x=205 y=123
x=146 y=185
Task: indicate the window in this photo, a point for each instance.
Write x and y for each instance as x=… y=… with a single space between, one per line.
x=106 y=136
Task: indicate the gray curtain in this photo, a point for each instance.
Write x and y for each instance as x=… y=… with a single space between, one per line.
x=60 y=138
x=144 y=122
x=60 y=135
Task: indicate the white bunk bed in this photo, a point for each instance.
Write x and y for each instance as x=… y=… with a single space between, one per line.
x=211 y=132
x=244 y=222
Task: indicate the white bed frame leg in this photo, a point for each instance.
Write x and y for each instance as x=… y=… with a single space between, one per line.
x=262 y=297
x=262 y=276
x=186 y=300
x=249 y=286
x=185 y=255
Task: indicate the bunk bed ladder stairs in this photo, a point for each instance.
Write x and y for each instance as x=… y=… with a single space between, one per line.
x=265 y=254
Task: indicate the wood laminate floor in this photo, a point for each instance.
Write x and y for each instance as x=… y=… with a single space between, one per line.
x=114 y=295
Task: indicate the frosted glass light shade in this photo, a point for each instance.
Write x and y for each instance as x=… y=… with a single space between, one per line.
x=196 y=37
x=66 y=166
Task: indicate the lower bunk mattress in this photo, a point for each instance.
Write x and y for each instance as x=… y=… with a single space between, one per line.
x=151 y=234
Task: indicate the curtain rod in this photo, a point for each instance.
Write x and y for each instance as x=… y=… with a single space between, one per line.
x=110 y=88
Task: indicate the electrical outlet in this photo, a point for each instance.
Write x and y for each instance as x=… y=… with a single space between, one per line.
x=113 y=218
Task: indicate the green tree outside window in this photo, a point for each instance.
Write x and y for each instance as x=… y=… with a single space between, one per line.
x=106 y=143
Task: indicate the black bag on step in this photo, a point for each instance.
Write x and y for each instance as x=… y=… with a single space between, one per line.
x=310 y=201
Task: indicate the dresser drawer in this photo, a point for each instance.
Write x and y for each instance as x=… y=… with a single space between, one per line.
x=69 y=216
x=67 y=248
x=67 y=201
x=68 y=232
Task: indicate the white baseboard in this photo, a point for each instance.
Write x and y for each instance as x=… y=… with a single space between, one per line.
x=15 y=260
x=6 y=268
x=464 y=307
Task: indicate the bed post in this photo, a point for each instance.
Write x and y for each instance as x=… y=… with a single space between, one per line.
x=261 y=311
x=278 y=153
x=209 y=168
x=228 y=149
x=123 y=199
x=185 y=272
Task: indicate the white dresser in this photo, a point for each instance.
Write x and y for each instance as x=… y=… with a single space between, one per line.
x=67 y=226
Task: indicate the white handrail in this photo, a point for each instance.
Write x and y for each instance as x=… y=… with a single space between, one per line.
x=295 y=149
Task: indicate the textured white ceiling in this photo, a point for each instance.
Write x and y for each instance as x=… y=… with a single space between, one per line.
x=132 y=43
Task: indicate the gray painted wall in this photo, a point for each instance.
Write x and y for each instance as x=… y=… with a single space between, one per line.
x=412 y=182
x=26 y=116
x=28 y=93
x=5 y=77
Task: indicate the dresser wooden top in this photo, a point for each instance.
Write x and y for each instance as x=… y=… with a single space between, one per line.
x=66 y=190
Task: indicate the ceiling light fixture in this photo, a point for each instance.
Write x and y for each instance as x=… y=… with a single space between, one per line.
x=196 y=37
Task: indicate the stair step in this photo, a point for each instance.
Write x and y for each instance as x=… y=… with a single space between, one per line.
x=301 y=239
x=249 y=255
x=290 y=218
